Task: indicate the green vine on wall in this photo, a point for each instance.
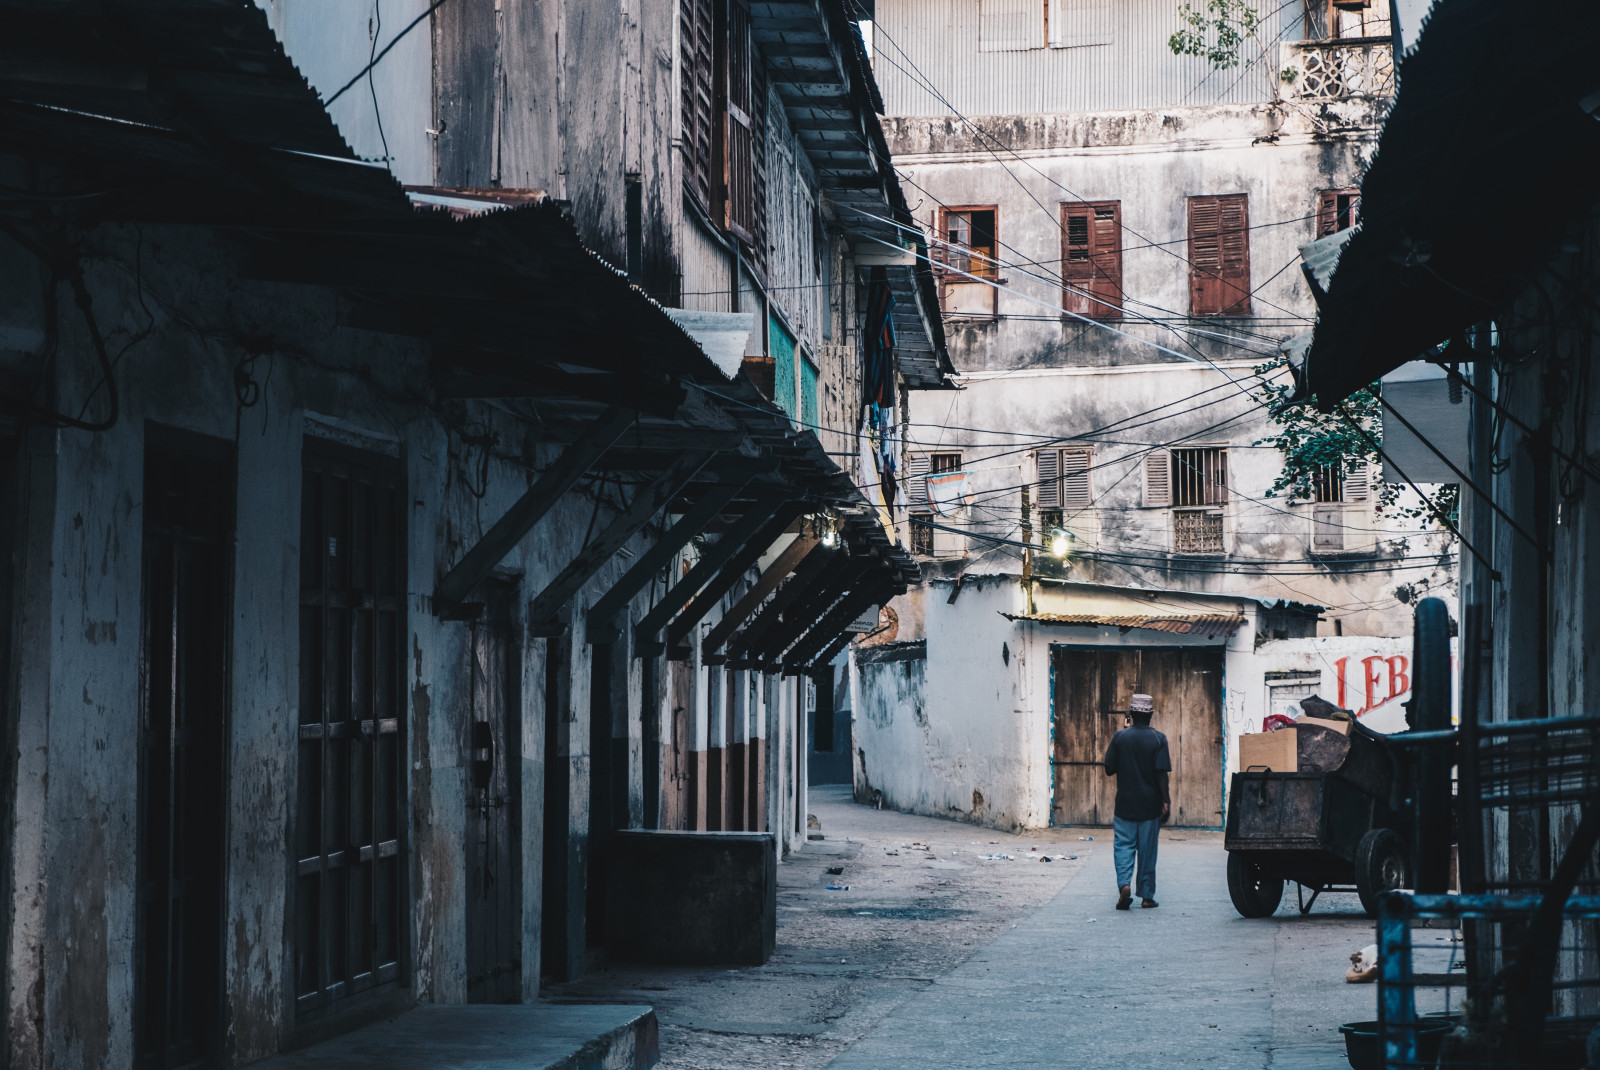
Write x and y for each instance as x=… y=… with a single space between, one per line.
x=1215 y=31
x=1312 y=442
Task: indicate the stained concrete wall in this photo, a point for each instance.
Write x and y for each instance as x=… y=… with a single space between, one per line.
x=71 y=951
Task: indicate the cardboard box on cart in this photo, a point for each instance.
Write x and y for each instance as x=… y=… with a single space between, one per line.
x=1277 y=751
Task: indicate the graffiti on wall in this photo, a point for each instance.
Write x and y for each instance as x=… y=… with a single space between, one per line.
x=1373 y=681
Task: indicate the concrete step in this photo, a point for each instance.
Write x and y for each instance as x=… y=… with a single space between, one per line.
x=535 y=1036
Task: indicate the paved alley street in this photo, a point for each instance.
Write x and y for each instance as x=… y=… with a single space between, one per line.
x=940 y=956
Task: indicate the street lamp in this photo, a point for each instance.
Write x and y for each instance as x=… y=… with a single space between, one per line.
x=1061 y=541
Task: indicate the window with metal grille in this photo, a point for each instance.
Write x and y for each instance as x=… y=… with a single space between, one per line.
x=1196 y=531
x=1219 y=256
x=1341 y=483
x=944 y=462
x=1336 y=210
x=348 y=818
x=1200 y=476
x=922 y=534
x=1091 y=259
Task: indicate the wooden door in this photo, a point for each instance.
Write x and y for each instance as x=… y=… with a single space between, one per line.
x=494 y=861
x=1091 y=690
x=188 y=506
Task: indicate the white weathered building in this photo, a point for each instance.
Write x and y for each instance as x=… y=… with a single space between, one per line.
x=367 y=506
x=1118 y=233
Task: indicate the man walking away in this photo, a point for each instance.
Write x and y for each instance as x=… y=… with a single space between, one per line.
x=1139 y=760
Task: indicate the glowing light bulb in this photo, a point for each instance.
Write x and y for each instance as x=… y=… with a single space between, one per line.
x=829 y=537
x=1061 y=542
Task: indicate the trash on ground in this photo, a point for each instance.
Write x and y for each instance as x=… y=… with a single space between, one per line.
x=1363 y=966
x=887 y=851
x=838 y=887
x=996 y=858
x=916 y=845
x=812 y=822
x=1045 y=858
x=1072 y=858
x=835 y=870
x=1086 y=837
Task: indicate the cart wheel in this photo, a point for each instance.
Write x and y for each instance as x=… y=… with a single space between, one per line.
x=1254 y=894
x=1382 y=864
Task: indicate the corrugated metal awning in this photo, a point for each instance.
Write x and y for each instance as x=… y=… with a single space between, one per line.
x=1167 y=613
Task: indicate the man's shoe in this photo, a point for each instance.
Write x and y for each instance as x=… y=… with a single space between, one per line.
x=1125 y=899
x=1148 y=903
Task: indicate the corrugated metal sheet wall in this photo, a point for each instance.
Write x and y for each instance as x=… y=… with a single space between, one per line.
x=1108 y=55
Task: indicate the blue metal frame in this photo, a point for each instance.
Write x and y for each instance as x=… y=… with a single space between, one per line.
x=1398 y=1024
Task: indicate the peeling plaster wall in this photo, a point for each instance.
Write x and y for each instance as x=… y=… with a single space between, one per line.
x=70 y=912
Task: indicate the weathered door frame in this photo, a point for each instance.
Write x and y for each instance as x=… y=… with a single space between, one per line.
x=178 y=445
x=1222 y=713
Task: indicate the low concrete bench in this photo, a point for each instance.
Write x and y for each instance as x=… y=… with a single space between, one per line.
x=692 y=898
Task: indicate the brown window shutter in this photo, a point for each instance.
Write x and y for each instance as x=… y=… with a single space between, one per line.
x=1077 y=491
x=698 y=56
x=1049 y=485
x=1327 y=212
x=1091 y=259
x=739 y=129
x=1219 y=255
x=1158 y=478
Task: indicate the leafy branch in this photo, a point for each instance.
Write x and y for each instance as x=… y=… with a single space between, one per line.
x=1215 y=32
x=1314 y=443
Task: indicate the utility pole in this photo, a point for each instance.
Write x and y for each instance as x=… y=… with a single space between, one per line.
x=1027 y=552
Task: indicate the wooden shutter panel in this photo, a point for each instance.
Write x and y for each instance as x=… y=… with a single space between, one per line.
x=697 y=54
x=1091 y=259
x=1049 y=486
x=1357 y=481
x=1158 y=478
x=1219 y=255
x=917 y=480
x=1076 y=489
x=742 y=130
x=1327 y=212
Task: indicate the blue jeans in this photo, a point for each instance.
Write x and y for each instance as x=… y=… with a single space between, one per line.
x=1136 y=839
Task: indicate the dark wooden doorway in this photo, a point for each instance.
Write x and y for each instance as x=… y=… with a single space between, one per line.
x=494 y=811
x=347 y=900
x=554 y=946
x=1091 y=687
x=188 y=515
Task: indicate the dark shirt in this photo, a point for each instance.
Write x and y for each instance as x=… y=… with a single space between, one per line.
x=1135 y=756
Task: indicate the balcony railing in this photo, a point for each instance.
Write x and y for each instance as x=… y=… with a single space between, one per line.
x=1344 y=70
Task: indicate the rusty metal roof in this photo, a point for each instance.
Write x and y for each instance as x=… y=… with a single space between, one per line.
x=1209 y=625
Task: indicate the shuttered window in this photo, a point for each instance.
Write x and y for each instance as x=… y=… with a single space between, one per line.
x=745 y=161
x=917 y=481
x=1219 y=256
x=1158 y=478
x=1010 y=25
x=697 y=59
x=724 y=102
x=1336 y=210
x=1342 y=483
x=1200 y=476
x=1091 y=259
x=1064 y=479
x=968 y=242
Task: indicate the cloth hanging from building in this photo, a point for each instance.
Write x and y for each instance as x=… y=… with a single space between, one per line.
x=878 y=341
x=947 y=492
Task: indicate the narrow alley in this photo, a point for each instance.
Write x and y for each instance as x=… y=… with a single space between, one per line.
x=935 y=953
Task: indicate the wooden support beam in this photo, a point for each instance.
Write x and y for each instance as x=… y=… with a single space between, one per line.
x=765 y=584
x=529 y=509
x=805 y=578
x=719 y=584
x=601 y=622
x=809 y=609
x=833 y=649
x=827 y=629
x=761 y=525
x=544 y=609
